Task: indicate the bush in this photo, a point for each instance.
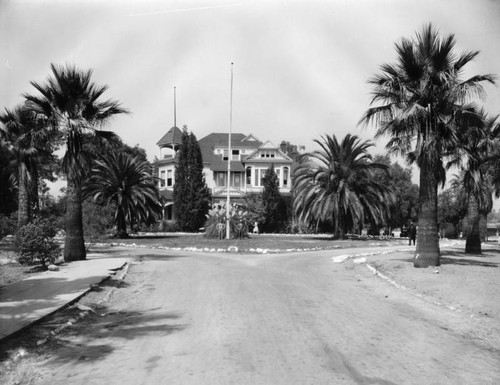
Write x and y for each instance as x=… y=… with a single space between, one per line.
x=238 y=222
x=36 y=245
x=98 y=220
x=7 y=225
x=297 y=228
x=169 y=226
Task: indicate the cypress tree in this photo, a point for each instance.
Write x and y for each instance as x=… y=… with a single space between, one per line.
x=272 y=201
x=191 y=194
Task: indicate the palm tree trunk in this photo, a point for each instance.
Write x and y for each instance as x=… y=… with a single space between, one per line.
x=74 y=246
x=427 y=250
x=23 y=209
x=341 y=229
x=483 y=226
x=473 y=242
x=121 y=225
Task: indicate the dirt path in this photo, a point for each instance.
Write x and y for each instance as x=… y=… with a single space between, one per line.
x=267 y=319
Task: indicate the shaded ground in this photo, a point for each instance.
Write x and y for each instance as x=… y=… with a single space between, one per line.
x=465 y=283
x=276 y=319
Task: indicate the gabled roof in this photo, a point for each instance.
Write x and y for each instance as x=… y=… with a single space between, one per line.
x=268 y=146
x=173 y=136
x=255 y=158
x=250 y=138
x=220 y=140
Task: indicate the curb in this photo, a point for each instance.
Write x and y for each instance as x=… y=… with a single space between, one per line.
x=76 y=299
x=85 y=312
x=425 y=298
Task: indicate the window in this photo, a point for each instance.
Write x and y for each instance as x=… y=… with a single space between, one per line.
x=278 y=172
x=256 y=173
x=170 y=180
x=225 y=155
x=235 y=155
x=249 y=176
x=285 y=177
x=221 y=179
x=267 y=154
x=262 y=176
x=236 y=179
x=162 y=178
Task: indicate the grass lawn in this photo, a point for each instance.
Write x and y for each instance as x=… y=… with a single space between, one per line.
x=10 y=270
x=271 y=242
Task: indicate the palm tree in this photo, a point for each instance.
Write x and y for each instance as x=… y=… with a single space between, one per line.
x=23 y=136
x=125 y=180
x=71 y=102
x=418 y=99
x=478 y=141
x=336 y=184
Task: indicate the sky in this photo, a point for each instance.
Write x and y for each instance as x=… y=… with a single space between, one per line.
x=300 y=67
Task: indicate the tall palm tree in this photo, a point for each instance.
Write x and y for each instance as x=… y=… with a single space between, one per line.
x=22 y=135
x=479 y=137
x=73 y=105
x=126 y=181
x=336 y=184
x=418 y=99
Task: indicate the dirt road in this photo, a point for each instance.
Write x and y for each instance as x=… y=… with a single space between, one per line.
x=268 y=319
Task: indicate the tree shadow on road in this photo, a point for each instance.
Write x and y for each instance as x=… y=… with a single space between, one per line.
x=459 y=258
x=100 y=332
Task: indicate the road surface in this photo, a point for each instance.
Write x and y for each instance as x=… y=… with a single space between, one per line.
x=187 y=318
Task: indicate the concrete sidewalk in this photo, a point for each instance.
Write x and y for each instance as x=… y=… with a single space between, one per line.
x=27 y=301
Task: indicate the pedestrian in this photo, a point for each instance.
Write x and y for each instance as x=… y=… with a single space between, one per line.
x=256 y=228
x=412 y=233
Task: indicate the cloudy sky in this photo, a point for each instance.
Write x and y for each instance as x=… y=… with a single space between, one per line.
x=300 y=67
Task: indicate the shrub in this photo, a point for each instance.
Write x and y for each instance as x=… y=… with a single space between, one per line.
x=295 y=227
x=97 y=221
x=169 y=226
x=36 y=245
x=238 y=222
x=7 y=225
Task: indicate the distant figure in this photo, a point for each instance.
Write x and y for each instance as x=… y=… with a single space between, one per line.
x=256 y=228
x=412 y=233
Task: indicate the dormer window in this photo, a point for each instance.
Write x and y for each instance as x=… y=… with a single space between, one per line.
x=235 y=154
x=267 y=154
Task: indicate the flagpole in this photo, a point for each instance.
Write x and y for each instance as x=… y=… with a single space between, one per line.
x=228 y=201
x=175 y=109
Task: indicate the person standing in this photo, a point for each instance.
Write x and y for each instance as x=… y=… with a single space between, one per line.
x=412 y=233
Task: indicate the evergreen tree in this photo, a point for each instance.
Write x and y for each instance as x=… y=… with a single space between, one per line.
x=191 y=194
x=272 y=201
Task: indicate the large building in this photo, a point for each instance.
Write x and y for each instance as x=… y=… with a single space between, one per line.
x=250 y=158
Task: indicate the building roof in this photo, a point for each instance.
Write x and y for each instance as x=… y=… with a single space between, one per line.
x=211 y=141
x=173 y=136
x=220 y=140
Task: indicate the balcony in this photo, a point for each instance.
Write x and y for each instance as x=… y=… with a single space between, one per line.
x=233 y=191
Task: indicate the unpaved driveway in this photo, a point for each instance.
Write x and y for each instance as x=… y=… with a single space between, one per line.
x=187 y=318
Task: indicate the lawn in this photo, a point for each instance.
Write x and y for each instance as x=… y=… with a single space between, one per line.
x=10 y=270
x=270 y=242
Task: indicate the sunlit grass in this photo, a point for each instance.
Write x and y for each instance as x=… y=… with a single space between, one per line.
x=281 y=242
